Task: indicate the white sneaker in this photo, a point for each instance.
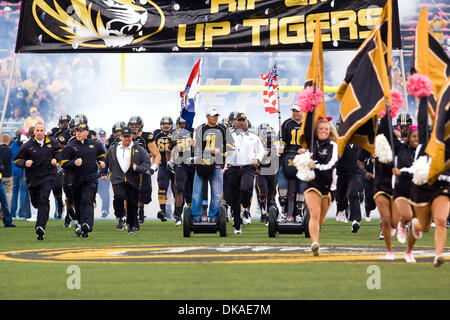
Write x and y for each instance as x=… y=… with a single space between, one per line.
x=389 y=256
x=178 y=222
x=368 y=219
x=246 y=218
x=409 y=258
x=281 y=217
x=341 y=217
x=401 y=234
x=32 y=219
x=238 y=231
x=315 y=248
x=438 y=260
x=416 y=234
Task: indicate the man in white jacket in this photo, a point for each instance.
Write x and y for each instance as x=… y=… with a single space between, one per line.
x=243 y=164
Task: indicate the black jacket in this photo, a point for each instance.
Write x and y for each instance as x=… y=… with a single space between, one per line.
x=90 y=151
x=139 y=156
x=42 y=170
x=6 y=157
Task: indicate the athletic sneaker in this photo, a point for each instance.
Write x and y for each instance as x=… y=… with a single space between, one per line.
x=381 y=236
x=85 y=230
x=389 y=256
x=178 y=221
x=40 y=233
x=355 y=226
x=401 y=234
x=104 y=214
x=367 y=218
x=281 y=217
x=416 y=234
x=120 y=224
x=246 y=218
x=409 y=258
x=131 y=230
x=298 y=218
x=438 y=260
x=238 y=231
x=162 y=216
x=340 y=217
x=315 y=248
x=78 y=230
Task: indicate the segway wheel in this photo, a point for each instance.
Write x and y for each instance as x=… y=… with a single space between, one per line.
x=223 y=221
x=272 y=229
x=306 y=222
x=187 y=222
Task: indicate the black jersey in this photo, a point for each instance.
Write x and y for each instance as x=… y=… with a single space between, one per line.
x=162 y=140
x=347 y=165
x=290 y=136
x=143 y=139
x=182 y=151
x=367 y=159
x=61 y=135
x=112 y=140
x=209 y=138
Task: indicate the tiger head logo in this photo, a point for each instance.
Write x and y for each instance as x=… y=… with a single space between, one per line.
x=98 y=23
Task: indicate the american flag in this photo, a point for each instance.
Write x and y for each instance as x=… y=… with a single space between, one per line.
x=269 y=94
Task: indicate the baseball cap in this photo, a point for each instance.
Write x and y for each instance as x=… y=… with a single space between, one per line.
x=33 y=109
x=241 y=115
x=102 y=133
x=126 y=132
x=213 y=111
x=295 y=107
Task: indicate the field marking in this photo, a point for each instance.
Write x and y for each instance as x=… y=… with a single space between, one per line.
x=176 y=254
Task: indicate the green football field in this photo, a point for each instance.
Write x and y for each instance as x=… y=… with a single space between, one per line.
x=159 y=263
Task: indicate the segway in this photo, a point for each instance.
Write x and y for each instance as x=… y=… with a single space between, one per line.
x=204 y=226
x=289 y=226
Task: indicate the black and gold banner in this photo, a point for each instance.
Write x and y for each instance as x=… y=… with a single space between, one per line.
x=190 y=25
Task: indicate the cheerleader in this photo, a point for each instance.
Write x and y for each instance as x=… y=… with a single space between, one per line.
x=383 y=194
x=317 y=191
x=405 y=154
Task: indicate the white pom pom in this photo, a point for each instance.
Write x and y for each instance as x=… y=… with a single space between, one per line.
x=301 y=162
x=383 y=149
x=420 y=169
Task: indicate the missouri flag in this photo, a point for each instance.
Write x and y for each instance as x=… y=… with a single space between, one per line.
x=438 y=147
x=314 y=77
x=366 y=94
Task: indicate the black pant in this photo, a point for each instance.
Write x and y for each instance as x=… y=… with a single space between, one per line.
x=369 y=203
x=348 y=186
x=125 y=191
x=39 y=196
x=84 y=197
x=240 y=181
x=266 y=190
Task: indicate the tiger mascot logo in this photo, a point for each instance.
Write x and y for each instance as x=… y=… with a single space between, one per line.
x=98 y=23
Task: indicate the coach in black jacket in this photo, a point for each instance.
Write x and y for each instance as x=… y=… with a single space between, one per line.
x=126 y=161
x=81 y=157
x=39 y=157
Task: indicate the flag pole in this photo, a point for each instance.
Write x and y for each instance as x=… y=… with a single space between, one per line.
x=279 y=105
x=8 y=91
x=402 y=64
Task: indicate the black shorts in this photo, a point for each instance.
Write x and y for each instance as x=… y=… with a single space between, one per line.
x=383 y=189
x=184 y=180
x=164 y=177
x=323 y=191
x=425 y=194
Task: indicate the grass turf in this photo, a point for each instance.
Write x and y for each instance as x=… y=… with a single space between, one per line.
x=318 y=280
